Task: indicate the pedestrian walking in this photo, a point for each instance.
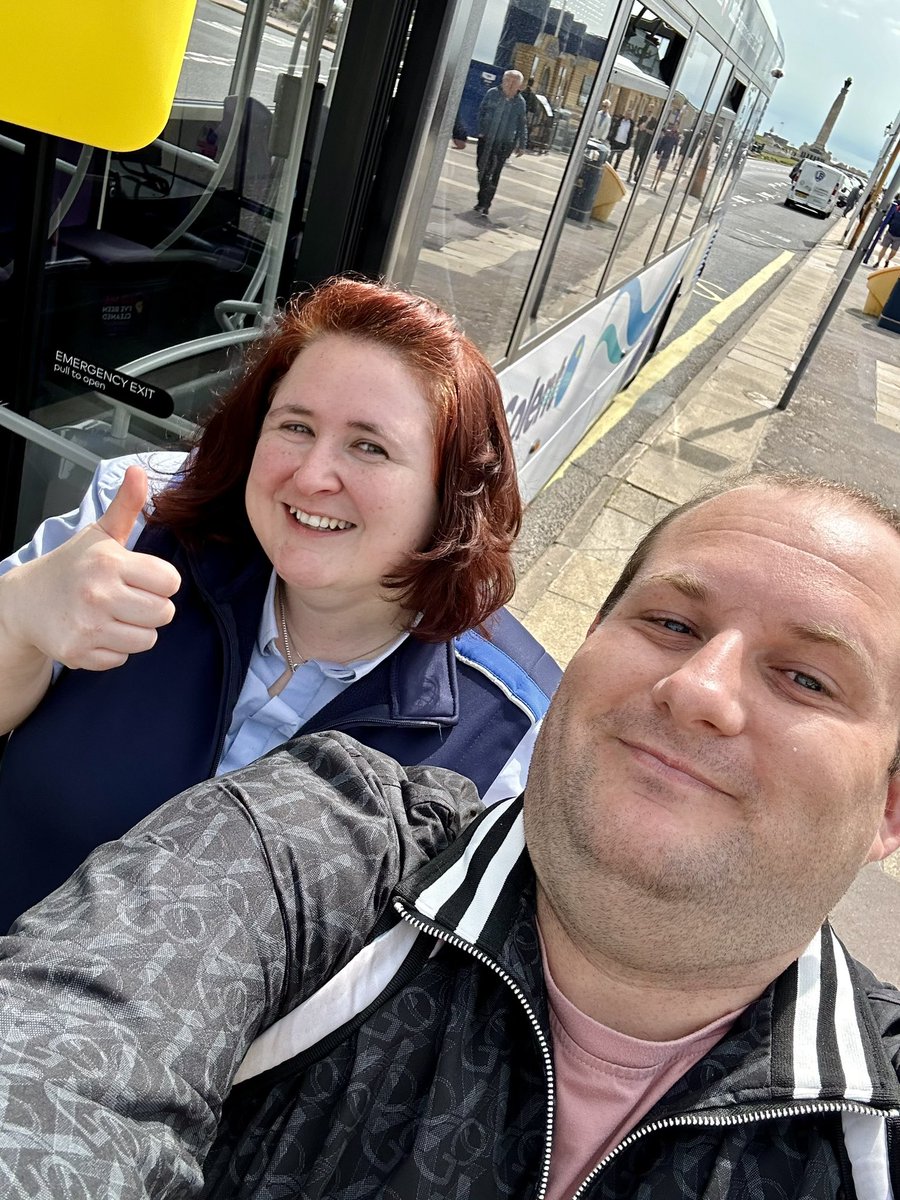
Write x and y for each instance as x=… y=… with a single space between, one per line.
x=620 y=136
x=604 y=120
x=502 y=130
x=664 y=150
x=643 y=136
x=889 y=233
x=852 y=197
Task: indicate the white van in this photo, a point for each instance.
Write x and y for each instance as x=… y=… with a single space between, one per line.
x=816 y=187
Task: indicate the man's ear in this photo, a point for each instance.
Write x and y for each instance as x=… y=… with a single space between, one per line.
x=888 y=837
x=593 y=626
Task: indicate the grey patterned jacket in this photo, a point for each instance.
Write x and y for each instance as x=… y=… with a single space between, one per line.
x=238 y=1000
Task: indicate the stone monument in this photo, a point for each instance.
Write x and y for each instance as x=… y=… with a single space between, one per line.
x=817 y=148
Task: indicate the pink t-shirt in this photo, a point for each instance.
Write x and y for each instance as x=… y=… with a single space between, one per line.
x=606 y=1082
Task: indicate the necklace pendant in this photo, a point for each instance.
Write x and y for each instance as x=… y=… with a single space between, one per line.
x=280 y=683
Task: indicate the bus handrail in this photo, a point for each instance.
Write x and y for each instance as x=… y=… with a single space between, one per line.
x=47 y=438
x=181 y=350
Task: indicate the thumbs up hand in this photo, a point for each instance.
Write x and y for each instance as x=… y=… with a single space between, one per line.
x=91 y=603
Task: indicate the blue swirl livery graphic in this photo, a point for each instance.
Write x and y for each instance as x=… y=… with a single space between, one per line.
x=618 y=342
x=569 y=373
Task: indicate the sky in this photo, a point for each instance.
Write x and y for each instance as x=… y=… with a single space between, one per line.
x=824 y=42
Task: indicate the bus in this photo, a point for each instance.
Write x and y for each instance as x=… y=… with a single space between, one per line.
x=310 y=137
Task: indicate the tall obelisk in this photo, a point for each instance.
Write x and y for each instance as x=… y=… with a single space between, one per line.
x=817 y=149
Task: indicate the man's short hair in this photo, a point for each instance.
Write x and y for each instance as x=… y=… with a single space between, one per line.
x=792 y=481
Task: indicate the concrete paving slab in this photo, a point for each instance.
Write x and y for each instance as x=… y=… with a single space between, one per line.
x=712 y=413
x=887 y=379
x=637 y=503
x=685 y=450
x=631 y=456
x=579 y=525
x=535 y=583
x=662 y=423
x=614 y=531
x=735 y=388
x=587 y=578
x=792 y=328
x=790 y=324
x=735 y=439
x=887 y=397
x=668 y=477
x=561 y=625
x=761 y=358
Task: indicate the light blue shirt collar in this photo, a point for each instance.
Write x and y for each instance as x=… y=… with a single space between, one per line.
x=267 y=644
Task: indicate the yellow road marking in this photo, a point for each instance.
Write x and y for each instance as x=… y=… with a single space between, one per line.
x=665 y=361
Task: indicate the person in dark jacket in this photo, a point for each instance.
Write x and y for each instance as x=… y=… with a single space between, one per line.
x=623 y=986
x=502 y=129
x=665 y=148
x=335 y=552
x=643 y=136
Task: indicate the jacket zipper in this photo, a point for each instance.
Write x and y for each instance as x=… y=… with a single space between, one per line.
x=230 y=686
x=743 y=1118
x=453 y=939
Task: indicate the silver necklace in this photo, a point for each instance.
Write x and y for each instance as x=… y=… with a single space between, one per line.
x=289 y=646
x=286 y=637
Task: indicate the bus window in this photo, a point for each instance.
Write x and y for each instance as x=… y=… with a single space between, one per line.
x=618 y=156
x=734 y=124
x=477 y=263
x=162 y=261
x=743 y=140
x=700 y=89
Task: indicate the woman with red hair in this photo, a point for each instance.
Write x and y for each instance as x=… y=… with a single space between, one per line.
x=334 y=553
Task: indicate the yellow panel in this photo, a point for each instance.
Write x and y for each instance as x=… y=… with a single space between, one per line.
x=880 y=285
x=97 y=71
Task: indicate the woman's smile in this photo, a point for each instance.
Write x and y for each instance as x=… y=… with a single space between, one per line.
x=341 y=490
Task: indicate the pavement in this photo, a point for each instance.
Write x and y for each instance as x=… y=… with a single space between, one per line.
x=843 y=422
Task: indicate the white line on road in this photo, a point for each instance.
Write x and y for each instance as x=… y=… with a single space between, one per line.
x=709 y=291
x=216 y=60
x=233 y=29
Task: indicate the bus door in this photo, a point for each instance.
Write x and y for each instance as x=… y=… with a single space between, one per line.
x=129 y=282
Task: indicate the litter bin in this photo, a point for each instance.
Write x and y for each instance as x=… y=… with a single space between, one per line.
x=584 y=193
x=890 y=314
